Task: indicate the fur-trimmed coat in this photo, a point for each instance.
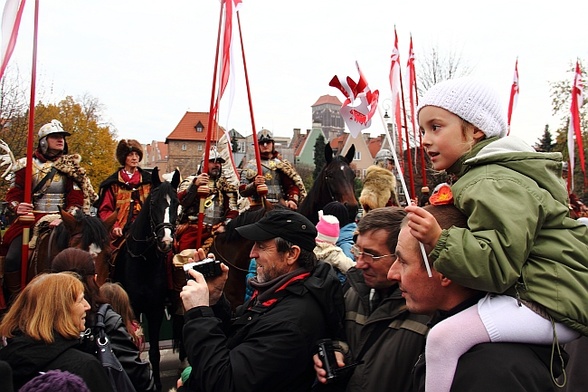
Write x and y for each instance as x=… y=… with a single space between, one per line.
x=379 y=189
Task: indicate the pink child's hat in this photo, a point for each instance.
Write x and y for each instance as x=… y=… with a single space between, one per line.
x=327 y=228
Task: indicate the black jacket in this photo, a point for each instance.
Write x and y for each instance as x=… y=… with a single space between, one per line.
x=269 y=347
x=504 y=367
x=28 y=357
x=123 y=347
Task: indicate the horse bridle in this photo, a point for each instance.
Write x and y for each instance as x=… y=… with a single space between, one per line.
x=153 y=238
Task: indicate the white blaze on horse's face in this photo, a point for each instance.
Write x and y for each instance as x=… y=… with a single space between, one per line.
x=167 y=234
x=342 y=167
x=94 y=249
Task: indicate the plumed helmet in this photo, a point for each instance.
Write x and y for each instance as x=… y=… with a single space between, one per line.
x=127 y=146
x=265 y=136
x=383 y=154
x=214 y=156
x=53 y=127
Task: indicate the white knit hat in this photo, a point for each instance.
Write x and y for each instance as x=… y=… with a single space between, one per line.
x=470 y=99
x=327 y=228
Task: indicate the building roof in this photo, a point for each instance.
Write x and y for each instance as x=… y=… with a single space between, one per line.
x=375 y=144
x=327 y=99
x=339 y=142
x=186 y=128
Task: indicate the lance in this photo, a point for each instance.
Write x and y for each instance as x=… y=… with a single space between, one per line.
x=404 y=188
x=203 y=190
x=262 y=188
x=29 y=167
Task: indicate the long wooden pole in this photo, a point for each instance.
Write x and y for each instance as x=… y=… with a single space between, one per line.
x=261 y=189
x=203 y=190
x=29 y=168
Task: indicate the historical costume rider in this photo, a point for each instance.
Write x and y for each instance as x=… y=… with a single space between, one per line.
x=284 y=184
x=220 y=206
x=58 y=181
x=126 y=190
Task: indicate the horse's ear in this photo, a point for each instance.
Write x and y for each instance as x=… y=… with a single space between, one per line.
x=176 y=179
x=328 y=153
x=155 y=180
x=350 y=154
x=68 y=219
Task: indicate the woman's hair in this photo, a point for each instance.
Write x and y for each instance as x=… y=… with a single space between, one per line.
x=82 y=263
x=118 y=298
x=44 y=307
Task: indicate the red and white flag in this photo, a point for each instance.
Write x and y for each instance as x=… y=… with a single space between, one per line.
x=412 y=90
x=574 y=128
x=360 y=103
x=514 y=94
x=395 y=87
x=11 y=16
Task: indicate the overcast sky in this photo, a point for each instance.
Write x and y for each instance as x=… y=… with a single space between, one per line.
x=148 y=62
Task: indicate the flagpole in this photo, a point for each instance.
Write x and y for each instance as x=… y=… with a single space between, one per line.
x=29 y=168
x=203 y=190
x=262 y=188
x=403 y=184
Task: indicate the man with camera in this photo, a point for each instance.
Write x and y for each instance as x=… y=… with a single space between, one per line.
x=297 y=302
x=383 y=337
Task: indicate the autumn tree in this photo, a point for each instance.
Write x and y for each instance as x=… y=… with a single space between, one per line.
x=92 y=139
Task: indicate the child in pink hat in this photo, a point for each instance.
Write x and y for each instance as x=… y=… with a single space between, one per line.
x=326 y=249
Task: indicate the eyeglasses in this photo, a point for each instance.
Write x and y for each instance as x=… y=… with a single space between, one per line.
x=368 y=256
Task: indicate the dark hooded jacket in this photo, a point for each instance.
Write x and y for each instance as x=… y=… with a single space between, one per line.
x=269 y=346
x=28 y=357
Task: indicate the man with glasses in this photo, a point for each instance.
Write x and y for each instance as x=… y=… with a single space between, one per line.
x=380 y=331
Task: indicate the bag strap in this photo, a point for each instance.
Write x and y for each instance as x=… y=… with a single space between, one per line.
x=100 y=315
x=48 y=177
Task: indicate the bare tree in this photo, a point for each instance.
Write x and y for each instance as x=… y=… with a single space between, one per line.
x=435 y=65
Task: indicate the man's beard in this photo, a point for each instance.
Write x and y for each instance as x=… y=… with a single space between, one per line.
x=214 y=173
x=266 y=155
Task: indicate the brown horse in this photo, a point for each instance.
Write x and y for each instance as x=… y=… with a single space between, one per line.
x=77 y=230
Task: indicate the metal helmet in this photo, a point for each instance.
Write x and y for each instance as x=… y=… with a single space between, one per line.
x=383 y=154
x=265 y=136
x=53 y=127
x=214 y=156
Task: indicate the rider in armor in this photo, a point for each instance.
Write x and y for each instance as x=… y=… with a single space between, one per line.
x=283 y=183
x=58 y=181
x=220 y=206
x=126 y=189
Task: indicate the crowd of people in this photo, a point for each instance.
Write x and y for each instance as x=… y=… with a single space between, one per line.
x=477 y=290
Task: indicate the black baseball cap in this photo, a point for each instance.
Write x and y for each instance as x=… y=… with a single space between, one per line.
x=287 y=224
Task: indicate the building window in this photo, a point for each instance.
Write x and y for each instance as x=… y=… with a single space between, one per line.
x=184 y=147
x=357 y=156
x=199 y=127
x=200 y=147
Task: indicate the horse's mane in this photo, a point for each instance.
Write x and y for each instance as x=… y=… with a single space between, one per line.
x=92 y=231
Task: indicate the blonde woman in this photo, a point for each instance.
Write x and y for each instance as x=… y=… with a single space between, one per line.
x=42 y=329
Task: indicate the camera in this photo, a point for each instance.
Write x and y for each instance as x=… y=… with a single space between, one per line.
x=326 y=353
x=208 y=267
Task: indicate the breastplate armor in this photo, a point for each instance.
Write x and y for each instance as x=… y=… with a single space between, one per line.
x=213 y=209
x=273 y=181
x=51 y=196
